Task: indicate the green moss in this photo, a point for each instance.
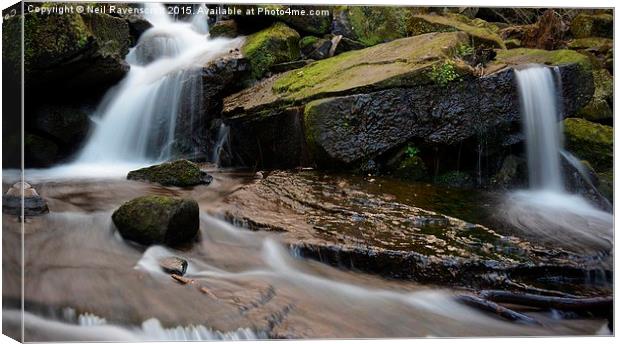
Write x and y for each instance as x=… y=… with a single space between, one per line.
x=480 y=33
x=373 y=24
x=175 y=173
x=276 y=44
x=307 y=41
x=224 y=28
x=550 y=57
x=400 y=62
x=592 y=25
x=599 y=107
x=590 y=141
x=598 y=43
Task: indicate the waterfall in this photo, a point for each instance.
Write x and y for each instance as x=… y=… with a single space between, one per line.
x=138 y=121
x=547 y=210
x=223 y=134
x=539 y=110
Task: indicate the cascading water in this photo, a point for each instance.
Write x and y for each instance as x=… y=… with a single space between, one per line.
x=138 y=122
x=540 y=123
x=547 y=209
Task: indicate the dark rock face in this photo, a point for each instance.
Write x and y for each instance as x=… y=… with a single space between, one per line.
x=157 y=220
x=351 y=128
x=176 y=173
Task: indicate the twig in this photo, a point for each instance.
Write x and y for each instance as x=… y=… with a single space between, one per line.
x=493 y=307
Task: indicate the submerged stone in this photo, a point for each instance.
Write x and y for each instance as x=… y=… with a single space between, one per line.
x=151 y=220
x=174 y=265
x=175 y=173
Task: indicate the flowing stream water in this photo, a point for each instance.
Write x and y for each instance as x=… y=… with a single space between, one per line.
x=83 y=282
x=547 y=210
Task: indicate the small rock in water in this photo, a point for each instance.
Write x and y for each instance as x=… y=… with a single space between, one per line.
x=181 y=279
x=174 y=265
x=258 y=175
x=33 y=203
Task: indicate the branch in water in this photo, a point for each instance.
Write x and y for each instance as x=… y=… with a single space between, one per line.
x=492 y=307
x=599 y=305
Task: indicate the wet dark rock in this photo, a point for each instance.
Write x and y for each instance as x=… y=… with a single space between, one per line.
x=346 y=44
x=137 y=26
x=33 y=203
x=39 y=151
x=456 y=179
x=174 y=265
x=68 y=125
x=151 y=220
x=315 y=48
x=513 y=173
x=175 y=173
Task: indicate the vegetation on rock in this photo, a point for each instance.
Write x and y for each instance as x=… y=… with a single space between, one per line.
x=151 y=220
x=592 y=25
x=600 y=107
x=175 y=173
x=276 y=44
x=590 y=141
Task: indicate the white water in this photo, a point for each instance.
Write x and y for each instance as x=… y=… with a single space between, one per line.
x=90 y=327
x=223 y=134
x=547 y=210
x=137 y=122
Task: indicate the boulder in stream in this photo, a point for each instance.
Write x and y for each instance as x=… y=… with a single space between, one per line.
x=151 y=220
x=175 y=173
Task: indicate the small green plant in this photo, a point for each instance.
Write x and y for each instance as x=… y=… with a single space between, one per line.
x=464 y=50
x=411 y=151
x=444 y=73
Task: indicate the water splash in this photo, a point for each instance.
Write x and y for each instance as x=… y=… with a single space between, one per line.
x=223 y=134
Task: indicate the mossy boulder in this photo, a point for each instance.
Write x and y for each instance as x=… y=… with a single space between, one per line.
x=398 y=63
x=276 y=44
x=590 y=141
x=151 y=220
x=600 y=107
x=522 y=56
x=592 y=25
x=591 y=43
x=318 y=23
x=176 y=173
x=72 y=50
x=224 y=28
x=371 y=25
x=480 y=31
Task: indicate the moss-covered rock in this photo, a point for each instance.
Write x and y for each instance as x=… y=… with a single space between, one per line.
x=72 y=50
x=398 y=63
x=151 y=220
x=521 y=56
x=371 y=25
x=480 y=32
x=317 y=23
x=224 y=28
x=276 y=44
x=590 y=141
x=600 y=107
x=596 y=43
x=175 y=173
x=606 y=184
x=592 y=25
